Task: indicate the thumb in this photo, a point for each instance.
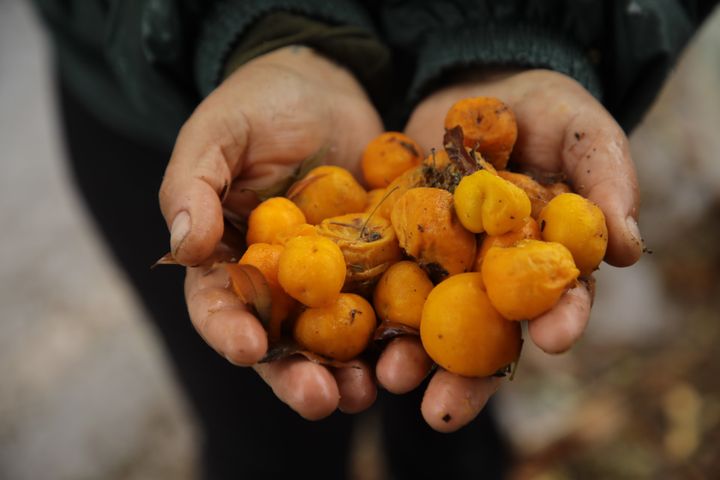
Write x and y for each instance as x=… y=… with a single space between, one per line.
x=598 y=162
x=206 y=156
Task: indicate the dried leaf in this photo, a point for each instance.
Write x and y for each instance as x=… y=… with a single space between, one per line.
x=287 y=348
x=283 y=185
x=229 y=249
x=250 y=285
x=453 y=141
x=386 y=331
x=167 y=259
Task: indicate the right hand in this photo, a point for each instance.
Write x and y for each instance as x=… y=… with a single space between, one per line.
x=252 y=131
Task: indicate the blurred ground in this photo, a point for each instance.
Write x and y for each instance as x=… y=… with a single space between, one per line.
x=86 y=391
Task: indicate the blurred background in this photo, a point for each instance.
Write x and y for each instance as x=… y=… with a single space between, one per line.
x=86 y=393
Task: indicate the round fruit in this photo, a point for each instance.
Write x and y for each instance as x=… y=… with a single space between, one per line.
x=312 y=270
x=327 y=191
x=400 y=294
x=463 y=333
x=488 y=125
x=578 y=224
x=387 y=157
x=271 y=219
x=527 y=280
x=340 y=330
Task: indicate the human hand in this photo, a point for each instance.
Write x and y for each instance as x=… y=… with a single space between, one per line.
x=252 y=131
x=561 y=129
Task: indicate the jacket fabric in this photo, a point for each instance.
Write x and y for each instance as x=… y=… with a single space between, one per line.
x=143 y=65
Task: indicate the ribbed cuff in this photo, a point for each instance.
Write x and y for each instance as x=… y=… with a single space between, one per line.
x=500 y=45
x=353 y=47
x=230 y=19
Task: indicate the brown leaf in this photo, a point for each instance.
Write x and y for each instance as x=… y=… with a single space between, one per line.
x=453 y=141
x=251 y=286
x=287 y=348
x=283 y=185
x=167 y=259
x=386 y=331
x=229 y=249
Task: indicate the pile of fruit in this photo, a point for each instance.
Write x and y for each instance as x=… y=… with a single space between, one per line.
x=448 y=245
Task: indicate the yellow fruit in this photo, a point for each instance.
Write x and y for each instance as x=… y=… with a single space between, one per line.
x=387 y=156
x=487 y=203
x=312 y=270
x=463 y=333
x=529 y=229
x=327 y=191
x=578 y=224
x=340 y=330
x=271 y=219
x=488 y=125
x=528 y=279
x=400 y=294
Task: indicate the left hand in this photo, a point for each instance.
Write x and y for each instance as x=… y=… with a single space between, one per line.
x=561 y=129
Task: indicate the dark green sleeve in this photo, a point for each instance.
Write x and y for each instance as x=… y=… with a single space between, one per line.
x=354 y=47
x=340 y=29
x=142 y=66
x=620 y=50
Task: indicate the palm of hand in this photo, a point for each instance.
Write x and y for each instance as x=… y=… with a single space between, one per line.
x=252 y=131
x=561 y=129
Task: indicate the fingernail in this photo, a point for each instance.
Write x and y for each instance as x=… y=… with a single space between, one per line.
x=634 y=231
x=179 y=230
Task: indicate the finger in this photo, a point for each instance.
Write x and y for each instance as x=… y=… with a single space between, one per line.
x=206 y=156
x=452 y=401
x=306 y=387
x=356 y=387
x=222 y=319
x=597 y=160
x=557 y=330
x=403 y=365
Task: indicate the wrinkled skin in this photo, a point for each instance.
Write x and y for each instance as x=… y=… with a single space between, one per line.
x=562 y=129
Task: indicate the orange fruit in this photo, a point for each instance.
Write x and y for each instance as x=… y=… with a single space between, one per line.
x=462 y=332
x=488 y=125
x=528 y=279
x=429 y=231
x=327 y=191
x=340 y=330
x=272 y=218
x=311 y=269
x=578 y=224
x=401 y=292
x=368 y=244
x=529 y=229
x=387 y=156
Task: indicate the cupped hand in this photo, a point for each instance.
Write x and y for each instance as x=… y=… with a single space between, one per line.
x=561 y=129
x=252 y=131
